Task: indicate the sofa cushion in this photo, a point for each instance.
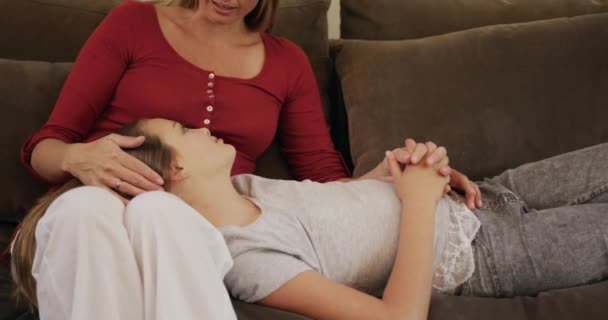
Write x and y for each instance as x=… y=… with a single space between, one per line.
x=49 y=30
x=408 y=19
x=566 y=304
x=496 y=96
x=10 y=308
x=28 y=90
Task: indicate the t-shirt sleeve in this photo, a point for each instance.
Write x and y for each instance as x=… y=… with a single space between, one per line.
x=258 y=273
x=91 y=82
x=303 y=133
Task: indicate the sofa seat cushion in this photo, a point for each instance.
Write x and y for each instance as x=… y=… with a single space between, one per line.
x=566 y=304
x=496 y=96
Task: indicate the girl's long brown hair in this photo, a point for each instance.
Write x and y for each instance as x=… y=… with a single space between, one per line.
x=152 y=152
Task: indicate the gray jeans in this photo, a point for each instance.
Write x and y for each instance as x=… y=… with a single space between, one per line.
x=544 y=226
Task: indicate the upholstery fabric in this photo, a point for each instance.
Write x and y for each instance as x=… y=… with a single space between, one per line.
x=573 y=303
x=409 y=19
x=28 y=90
x=48 y=30
x=496 y=96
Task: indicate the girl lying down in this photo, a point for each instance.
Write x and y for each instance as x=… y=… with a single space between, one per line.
x=365 y=249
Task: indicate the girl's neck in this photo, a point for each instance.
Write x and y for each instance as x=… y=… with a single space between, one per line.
x=217 y=200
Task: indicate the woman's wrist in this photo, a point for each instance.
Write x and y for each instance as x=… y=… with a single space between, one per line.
x=71 y=150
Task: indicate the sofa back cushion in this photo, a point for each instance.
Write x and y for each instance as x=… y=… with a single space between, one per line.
x=28 y=90
x=409 y=19
x=496 y=96
x=48 y=30
x=54 y=30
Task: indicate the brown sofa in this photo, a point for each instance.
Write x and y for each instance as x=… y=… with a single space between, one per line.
x=500 y=83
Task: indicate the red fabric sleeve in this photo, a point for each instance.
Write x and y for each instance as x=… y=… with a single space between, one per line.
x=303 y=133
x=90 y=84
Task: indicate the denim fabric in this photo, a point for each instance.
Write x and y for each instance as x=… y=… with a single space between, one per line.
x=544 y=226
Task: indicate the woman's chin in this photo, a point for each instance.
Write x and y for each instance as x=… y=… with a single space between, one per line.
x=223 y=20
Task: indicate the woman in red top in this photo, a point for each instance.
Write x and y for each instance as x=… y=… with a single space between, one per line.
x=206 y=64
x=211 y=67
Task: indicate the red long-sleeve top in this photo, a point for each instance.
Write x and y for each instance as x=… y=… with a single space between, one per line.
x=127 y=70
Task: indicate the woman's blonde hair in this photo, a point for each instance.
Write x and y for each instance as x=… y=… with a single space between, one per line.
x=153 y=152
x=261 y=19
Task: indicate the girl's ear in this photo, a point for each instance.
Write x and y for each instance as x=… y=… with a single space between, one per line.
x=177 y=173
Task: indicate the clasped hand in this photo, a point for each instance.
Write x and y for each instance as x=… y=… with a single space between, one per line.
x=427 y=154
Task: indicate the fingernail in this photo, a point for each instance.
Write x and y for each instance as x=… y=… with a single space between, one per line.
x=160 y=181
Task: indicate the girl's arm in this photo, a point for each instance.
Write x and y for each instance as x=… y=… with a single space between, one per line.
x=407 y=294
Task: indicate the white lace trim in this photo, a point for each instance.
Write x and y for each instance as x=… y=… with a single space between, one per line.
x=454 y=262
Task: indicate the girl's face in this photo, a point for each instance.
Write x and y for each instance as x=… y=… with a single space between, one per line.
x=197 y=151
x=227 y=11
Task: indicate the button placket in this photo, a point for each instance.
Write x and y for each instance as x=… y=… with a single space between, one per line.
x=211 y=96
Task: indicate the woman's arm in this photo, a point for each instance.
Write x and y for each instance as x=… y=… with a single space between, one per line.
x=407 y=294
x=53 y=153
x=94 y=163
x=303 y=132
x=48 y=160
x=84 y=96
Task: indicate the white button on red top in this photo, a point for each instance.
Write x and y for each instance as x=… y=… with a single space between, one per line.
x=206 y=121
x=210 y=84
x=209 y=108
x=211 y=76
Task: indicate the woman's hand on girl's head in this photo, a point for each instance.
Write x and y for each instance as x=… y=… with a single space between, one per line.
x=418 y=182
x=103 y=163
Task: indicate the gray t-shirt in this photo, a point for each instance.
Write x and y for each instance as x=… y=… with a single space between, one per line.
x=348 y=232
